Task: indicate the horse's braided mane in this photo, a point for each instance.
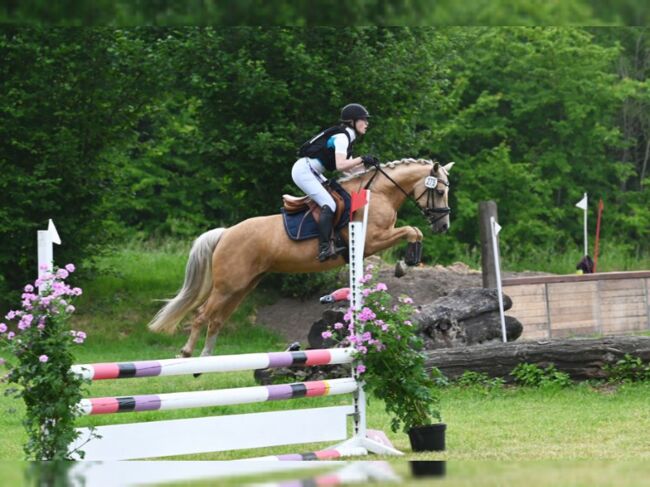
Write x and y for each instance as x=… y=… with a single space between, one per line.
x=389 y=165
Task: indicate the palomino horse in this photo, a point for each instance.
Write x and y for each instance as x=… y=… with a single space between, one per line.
x=225 y=264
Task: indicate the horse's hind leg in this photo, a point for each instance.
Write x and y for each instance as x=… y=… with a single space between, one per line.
x=218 y=312
x=195 y=331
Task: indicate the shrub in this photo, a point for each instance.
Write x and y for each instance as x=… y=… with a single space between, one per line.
x=41 y=344
x=628 y=369
x=531 y=375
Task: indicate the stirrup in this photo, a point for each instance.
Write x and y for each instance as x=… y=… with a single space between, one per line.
x=327 y=253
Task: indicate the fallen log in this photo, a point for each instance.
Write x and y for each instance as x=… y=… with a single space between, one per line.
x=581 y=358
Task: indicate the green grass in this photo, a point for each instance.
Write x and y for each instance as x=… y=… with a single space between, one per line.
x=517 y=424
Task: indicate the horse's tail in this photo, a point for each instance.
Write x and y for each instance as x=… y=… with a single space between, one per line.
x=196 y=287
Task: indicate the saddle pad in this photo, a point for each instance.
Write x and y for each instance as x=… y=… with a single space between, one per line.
x=302 y=226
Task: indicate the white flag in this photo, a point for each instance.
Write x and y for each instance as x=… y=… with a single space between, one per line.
x=497 y=228
x=54 y=235
x=582 y=204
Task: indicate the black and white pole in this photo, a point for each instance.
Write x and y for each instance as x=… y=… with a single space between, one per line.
x=582 y=204
x=496 y=228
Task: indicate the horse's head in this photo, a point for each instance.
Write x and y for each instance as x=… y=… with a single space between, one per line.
x=432 y=193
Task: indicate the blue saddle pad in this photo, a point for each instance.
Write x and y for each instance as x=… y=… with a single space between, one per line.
x=302 y=226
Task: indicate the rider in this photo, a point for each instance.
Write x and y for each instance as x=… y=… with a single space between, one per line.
x=333 y=154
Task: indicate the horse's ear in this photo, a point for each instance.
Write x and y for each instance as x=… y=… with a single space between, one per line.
x=436 y=166
x=449 y=166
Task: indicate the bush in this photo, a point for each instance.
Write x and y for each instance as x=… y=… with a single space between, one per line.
x=628 y=369
x=41 y=344
x=531 y=375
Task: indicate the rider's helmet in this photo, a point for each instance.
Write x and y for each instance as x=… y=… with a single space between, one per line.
x=353 y=111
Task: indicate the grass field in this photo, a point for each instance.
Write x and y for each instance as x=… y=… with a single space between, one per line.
x=505 y=424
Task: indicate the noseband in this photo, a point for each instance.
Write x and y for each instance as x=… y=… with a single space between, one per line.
x=430 y=212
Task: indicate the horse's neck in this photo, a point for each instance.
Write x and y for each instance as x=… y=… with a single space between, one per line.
x=406 y=177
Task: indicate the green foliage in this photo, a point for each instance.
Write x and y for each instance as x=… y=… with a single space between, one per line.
x=628 y=369
x=390 y=358
x=531 y=375
x=171 y=131
x=324 y=12
x=41 y=344
x=303 y=286
x=471 y=378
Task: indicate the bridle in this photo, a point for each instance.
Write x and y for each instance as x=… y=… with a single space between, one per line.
x=431 y=182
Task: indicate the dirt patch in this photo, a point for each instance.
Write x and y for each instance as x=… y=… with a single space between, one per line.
x=292 y=318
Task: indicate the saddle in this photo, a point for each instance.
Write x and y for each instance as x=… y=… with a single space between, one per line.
x=299 y=204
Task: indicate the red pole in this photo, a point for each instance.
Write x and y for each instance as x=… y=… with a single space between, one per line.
x=600 y=212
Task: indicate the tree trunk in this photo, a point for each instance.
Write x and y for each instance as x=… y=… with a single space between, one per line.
x=582 y=358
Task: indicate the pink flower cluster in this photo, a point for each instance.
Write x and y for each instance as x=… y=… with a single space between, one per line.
x=38 y=307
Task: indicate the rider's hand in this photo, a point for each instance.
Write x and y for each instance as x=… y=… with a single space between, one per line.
x=370 y=161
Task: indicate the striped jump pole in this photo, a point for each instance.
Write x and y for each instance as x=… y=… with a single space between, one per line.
x=219 y=363
x=219 y=397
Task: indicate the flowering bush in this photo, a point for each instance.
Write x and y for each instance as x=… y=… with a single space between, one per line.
x=389 y=356
x=40 y=341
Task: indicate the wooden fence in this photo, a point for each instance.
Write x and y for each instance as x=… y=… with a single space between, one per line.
x=607 y=303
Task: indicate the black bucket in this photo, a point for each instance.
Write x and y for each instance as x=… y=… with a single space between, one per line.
x=428 y=438
x=428 y=468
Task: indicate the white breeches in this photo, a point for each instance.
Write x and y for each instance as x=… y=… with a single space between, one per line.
x=308 y=175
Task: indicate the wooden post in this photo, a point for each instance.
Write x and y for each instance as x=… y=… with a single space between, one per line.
x=486 y=210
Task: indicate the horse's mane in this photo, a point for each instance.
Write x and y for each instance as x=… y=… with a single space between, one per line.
x=389 y=165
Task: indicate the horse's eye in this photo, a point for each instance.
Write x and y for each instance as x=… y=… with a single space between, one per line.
x=441 y=192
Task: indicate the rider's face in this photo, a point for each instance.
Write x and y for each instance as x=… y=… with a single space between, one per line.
x=361 y=125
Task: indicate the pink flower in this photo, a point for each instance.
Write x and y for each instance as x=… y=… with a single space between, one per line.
x=81 y=334
x=2 y=361
x=408 y=323
x=366 y=336
x=381 y=287
x=366 y=292
x=70 y=267
x=76 y=291
x=338 y=326
x=406 y=300
x=361 y=349
x=70 y=309
x=326 y=334
x=41 y=326
x=361 y=368
x=29 y=288
x=62 y=274
x=78 y=340
x=346 y=317
x=3 y=328
x=369 y=267
x=10 y=335
x=43 y=358
x=366 y=314
x=11 y=315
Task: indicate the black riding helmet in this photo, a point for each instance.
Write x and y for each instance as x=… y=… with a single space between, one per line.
x=353 y=111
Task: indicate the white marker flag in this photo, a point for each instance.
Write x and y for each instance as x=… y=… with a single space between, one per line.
x=582 y=204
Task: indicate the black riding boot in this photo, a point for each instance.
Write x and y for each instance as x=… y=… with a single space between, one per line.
x=325 y=246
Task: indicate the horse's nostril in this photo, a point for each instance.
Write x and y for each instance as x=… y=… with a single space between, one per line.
x=444 y=227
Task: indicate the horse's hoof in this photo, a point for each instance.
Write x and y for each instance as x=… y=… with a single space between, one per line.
x=184 y=354
x=197 y=375
x=400 y=269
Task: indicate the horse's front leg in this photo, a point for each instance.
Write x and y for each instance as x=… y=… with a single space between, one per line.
x=380 y=240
